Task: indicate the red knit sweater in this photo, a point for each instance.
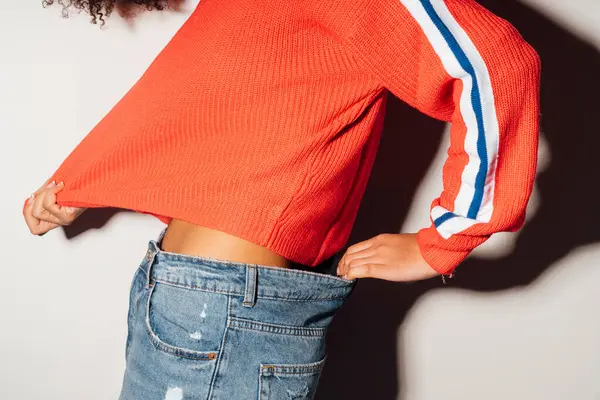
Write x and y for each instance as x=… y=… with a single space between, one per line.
x=262 y=119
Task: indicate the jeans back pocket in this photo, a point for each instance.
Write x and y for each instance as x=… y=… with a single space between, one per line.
x=289 y=381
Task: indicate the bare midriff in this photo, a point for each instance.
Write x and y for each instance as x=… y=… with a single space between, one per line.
x=186 y=238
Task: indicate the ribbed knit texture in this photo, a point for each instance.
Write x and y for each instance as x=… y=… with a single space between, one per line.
x=262 y=119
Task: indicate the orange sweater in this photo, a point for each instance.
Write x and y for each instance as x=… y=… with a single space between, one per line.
x=262 y=119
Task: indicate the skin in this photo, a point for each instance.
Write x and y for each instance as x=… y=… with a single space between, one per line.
x=393 y=257
x=187 y=238
x=41 y=212
x=387 y=256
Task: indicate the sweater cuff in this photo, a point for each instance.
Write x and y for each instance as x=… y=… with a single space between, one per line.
x=437 y=253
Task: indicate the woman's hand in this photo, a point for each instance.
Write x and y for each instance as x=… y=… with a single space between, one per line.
x=389 y=256
x=43 y=214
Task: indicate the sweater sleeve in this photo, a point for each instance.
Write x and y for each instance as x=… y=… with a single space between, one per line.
x=456 y=61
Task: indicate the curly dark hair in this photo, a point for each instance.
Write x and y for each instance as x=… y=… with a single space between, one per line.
x=101 y=9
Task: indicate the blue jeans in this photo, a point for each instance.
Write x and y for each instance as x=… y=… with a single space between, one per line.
x=201 y=328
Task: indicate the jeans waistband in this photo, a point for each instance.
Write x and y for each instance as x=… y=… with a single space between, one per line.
x=237 y=278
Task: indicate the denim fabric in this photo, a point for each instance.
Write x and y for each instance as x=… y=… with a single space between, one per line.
x=201 y=328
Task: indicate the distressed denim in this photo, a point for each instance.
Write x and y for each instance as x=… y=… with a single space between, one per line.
x=201 y=328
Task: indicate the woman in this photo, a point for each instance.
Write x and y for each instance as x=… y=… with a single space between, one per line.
x=252 y=135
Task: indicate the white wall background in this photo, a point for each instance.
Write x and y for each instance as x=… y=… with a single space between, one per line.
x=64 y=302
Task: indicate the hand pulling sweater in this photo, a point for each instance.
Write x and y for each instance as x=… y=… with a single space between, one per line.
x=262 y=118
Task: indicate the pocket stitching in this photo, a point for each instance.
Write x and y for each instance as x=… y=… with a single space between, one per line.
x=159 y=344
x=292 y=369
x=290 y=330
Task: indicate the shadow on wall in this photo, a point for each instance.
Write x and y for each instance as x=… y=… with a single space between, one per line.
x=362 y=340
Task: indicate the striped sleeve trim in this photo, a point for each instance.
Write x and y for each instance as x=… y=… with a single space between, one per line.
x=461 y=60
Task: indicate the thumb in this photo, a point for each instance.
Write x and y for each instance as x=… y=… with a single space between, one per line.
x=69 y=210
x=54 y=189
x=58 y=187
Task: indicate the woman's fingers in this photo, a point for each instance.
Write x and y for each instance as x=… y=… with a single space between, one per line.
x=372 y=269
x=359 y=250
x=46 y=185
x=39 y=210
x=393 y=257
x=31 y=221
x=35 y=225
x=367 y=255
x=42 y=213
x=36 y=215
x=62 y=215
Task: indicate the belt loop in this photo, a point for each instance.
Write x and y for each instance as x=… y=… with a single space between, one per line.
x=159 y=240
x=153 y=249
x=251 y=278
x=150 y=255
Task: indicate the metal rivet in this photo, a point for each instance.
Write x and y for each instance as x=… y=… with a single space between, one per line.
x=211 y=356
